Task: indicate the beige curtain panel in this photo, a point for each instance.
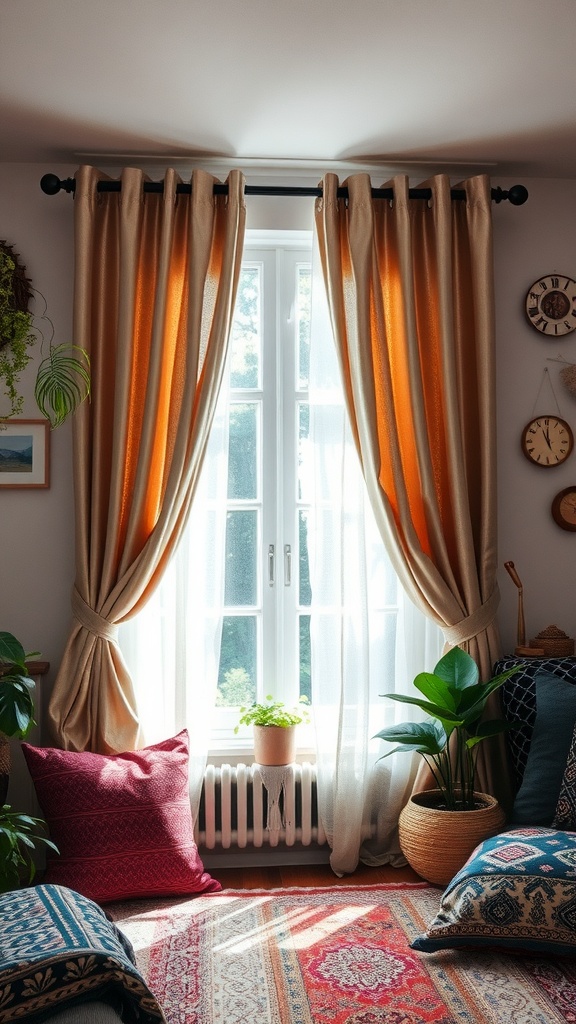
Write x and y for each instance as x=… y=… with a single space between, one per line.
x=410 y=290
x=155 y=285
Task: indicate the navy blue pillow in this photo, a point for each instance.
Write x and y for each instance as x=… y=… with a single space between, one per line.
x=536 y=800
x=518 y=697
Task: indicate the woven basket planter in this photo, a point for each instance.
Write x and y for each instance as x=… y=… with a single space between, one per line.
x=437 y=843
x=5 y=767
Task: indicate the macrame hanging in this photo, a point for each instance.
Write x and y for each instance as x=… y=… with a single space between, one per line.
x=274 y=780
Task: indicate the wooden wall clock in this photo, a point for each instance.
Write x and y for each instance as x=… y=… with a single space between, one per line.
x=547 y=441
x=564 y=508
x=551 y=305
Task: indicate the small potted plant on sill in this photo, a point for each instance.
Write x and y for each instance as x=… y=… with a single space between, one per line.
x=19 y=833
x=274 y=729
x=439 y=828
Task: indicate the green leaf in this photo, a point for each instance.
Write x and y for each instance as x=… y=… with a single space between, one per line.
x=11 y=651
x=431 y=709
x=436 y=690
x=493 y=727
x=16 y=706
x=62 y=382
x=458 y=669
x=424 y=737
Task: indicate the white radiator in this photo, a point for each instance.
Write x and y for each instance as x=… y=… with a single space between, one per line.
x=238 y=810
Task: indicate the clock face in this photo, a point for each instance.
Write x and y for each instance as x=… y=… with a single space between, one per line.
x=564 y=508
x=551 y=305
x=547 y=441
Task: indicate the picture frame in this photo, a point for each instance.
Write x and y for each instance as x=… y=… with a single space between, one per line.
x=24 y=453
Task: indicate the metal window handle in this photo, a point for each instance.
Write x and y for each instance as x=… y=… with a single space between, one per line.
x=287 y=565
x=271 y=568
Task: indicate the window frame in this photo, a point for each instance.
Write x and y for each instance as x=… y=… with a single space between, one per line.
x=280 y=252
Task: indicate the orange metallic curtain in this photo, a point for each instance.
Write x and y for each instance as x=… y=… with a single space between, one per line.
x=410 y=291
x=155 y=284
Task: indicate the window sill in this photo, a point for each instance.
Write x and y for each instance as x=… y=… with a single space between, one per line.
x=234 y=755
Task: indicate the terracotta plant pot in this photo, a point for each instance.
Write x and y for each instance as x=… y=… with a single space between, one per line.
x=437 y=843
x=274 y=744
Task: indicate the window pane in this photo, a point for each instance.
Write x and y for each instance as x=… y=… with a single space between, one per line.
x=304 y=461
x=241 y=539
x=305 y=593
x=305 y=673
x=243 y=451
x=245 y=347
x=303 y=326
x=237 y=675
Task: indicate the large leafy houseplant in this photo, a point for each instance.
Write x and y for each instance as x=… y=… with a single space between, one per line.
x=19 y=833
x=16 y=688
x=455 y=701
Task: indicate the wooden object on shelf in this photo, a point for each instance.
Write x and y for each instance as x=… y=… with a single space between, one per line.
x=522 y=649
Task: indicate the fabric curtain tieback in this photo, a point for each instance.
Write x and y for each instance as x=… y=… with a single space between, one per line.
x=91 y=620
x=475 y=623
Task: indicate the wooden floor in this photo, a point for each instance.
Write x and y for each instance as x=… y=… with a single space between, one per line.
x=307 y=875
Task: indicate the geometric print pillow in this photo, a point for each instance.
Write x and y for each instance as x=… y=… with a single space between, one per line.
x=517 y=891
x=518 y=699
x=122 y=822
x=565 y=816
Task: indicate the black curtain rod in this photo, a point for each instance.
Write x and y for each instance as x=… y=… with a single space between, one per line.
x=51 y=184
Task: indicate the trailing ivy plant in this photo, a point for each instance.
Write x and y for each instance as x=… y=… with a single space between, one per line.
x=16 y=335
x=63 y=377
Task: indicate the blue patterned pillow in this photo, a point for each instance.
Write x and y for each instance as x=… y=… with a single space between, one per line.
x=59 y=951
x=565 y=816
x=517 y=890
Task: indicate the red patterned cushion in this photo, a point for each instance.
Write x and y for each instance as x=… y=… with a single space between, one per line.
x=122 y=822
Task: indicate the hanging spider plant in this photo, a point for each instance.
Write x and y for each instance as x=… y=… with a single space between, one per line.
x=62 y=382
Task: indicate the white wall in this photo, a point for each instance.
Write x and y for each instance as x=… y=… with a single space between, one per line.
x=530 y=242
x=36 y=526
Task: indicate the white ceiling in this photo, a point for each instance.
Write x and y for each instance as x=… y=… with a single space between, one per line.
x=460 y=85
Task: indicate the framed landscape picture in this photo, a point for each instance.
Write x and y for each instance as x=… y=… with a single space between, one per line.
x=24 y=453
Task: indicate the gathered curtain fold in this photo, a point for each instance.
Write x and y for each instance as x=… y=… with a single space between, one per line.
x=155 y=285
x=410 y=291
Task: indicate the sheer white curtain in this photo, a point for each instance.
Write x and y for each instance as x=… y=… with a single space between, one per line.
x=172 y=647
x=367 y=638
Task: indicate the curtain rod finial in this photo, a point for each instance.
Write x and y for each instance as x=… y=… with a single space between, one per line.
x=51 y=184
x=516 y=196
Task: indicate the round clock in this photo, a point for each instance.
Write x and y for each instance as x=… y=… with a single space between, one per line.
x=547 y=441
x=564 y=508
x=551 y=305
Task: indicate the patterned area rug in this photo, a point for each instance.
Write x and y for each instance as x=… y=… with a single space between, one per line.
x=329 y=956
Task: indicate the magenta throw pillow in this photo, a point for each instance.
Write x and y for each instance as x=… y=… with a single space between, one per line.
x=122 y=822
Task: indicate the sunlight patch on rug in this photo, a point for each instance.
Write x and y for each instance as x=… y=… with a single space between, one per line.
x=336 y=955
